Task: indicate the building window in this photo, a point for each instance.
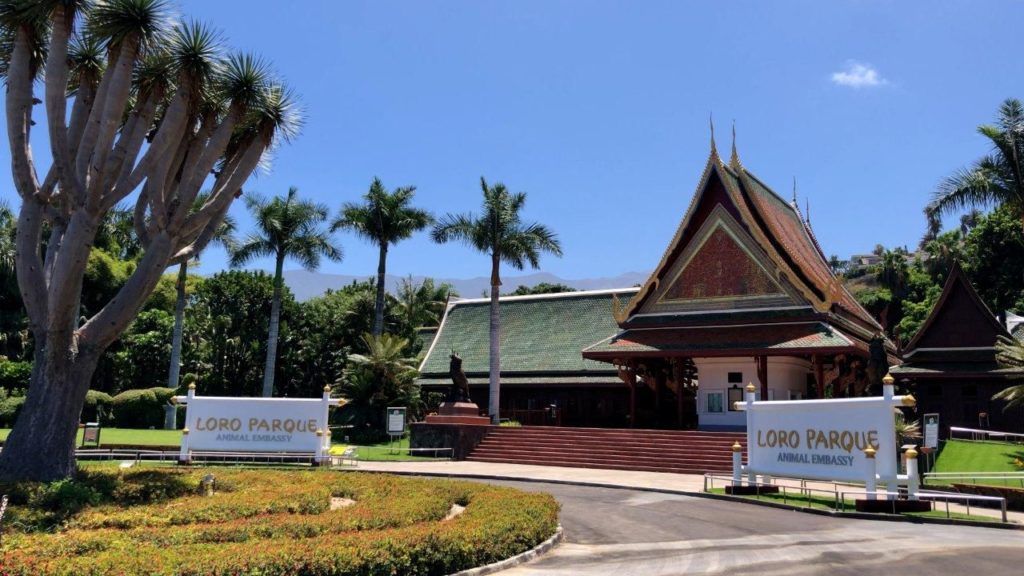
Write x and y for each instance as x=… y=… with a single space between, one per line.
x=735 y=377
x=715 y=402
x=735 y=397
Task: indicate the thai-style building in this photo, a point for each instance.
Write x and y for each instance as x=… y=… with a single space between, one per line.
x=950 y=364
x=742 y=294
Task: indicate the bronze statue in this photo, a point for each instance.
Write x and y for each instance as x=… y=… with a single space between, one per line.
x=460 y=384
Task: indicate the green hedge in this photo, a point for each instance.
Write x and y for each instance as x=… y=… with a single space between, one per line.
x=266 y=522
x=14 y=375
x=97 y=402
x=142 y=408
x=10 y=406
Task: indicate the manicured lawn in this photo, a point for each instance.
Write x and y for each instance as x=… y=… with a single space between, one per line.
x=394 y=452
x=127 y=436
x=966 y=456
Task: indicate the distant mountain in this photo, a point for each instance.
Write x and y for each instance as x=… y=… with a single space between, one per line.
x=306 y=285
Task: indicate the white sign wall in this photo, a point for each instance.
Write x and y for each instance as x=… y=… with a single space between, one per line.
x=223 y=424
x=821 y=439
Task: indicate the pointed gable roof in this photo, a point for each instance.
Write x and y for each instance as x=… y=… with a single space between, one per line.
x=771 y=232
x=959 y=320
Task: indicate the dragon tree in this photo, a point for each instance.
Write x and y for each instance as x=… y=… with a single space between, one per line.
x=137 y=109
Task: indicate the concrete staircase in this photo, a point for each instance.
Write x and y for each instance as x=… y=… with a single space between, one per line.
x=676 y=451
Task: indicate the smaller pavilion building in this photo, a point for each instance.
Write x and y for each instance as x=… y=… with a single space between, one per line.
x=951 y=363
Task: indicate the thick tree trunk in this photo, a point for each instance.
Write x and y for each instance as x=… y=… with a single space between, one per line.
x=378 y=308
x=41 y=447
x=494 y=380
x=174 y=374
x=275 y=321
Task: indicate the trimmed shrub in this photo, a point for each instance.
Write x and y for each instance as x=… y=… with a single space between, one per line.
x=97 y=403
x=142 y=408
x=15 y=375
x=10 y=406
x=266 y=522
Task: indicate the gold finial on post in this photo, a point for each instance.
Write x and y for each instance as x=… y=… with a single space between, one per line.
x=888 y=380
x=736 y=447
x=751 y=388
x=869 y=452
x=911 y=452
x=909 y=401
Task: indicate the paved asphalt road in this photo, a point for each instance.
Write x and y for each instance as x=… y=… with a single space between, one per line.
x=628 y=532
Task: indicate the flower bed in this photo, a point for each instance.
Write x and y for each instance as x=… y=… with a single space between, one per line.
x=266 y=522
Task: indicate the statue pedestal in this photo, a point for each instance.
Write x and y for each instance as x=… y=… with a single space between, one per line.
x=458 y=413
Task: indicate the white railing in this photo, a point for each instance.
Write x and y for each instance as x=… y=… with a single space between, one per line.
x=979 y=434
x=973 y=477
x=801 y=495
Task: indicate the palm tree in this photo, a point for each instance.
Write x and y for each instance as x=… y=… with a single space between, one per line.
x=995 y=179
x=225 y=237
x=287 y=228
x=384 y=218
x=1010 y=354
x=500 y=233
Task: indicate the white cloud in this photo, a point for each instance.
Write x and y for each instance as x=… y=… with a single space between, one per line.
x=858 y=75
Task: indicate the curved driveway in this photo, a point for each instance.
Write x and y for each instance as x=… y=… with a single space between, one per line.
x=623 y=532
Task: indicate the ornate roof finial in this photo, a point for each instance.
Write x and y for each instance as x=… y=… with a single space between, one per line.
x=807 y=210
x=734 y=160
x=711 y=121
x=795 y=205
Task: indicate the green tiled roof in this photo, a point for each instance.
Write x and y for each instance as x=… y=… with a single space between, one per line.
x=539 y=334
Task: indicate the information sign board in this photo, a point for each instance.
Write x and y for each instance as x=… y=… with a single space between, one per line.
x=931 y=430
x=396 y=421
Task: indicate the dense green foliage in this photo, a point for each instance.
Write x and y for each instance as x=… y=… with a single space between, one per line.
x=265 y=522
x=141 y=408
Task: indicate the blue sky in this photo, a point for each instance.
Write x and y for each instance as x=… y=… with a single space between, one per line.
x=599 y=111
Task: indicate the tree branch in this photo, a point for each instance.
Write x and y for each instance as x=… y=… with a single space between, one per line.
x=19 y=116
x=56 y=98
x=171 y=128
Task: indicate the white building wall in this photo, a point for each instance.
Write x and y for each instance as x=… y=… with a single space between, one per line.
x=787 y=379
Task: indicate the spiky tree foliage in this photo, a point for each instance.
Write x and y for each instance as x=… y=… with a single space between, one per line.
x=286 y=228
x=500 y=233
x=137 y=110
x=1010 y=354
x=384 y=218
x=995 y=179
